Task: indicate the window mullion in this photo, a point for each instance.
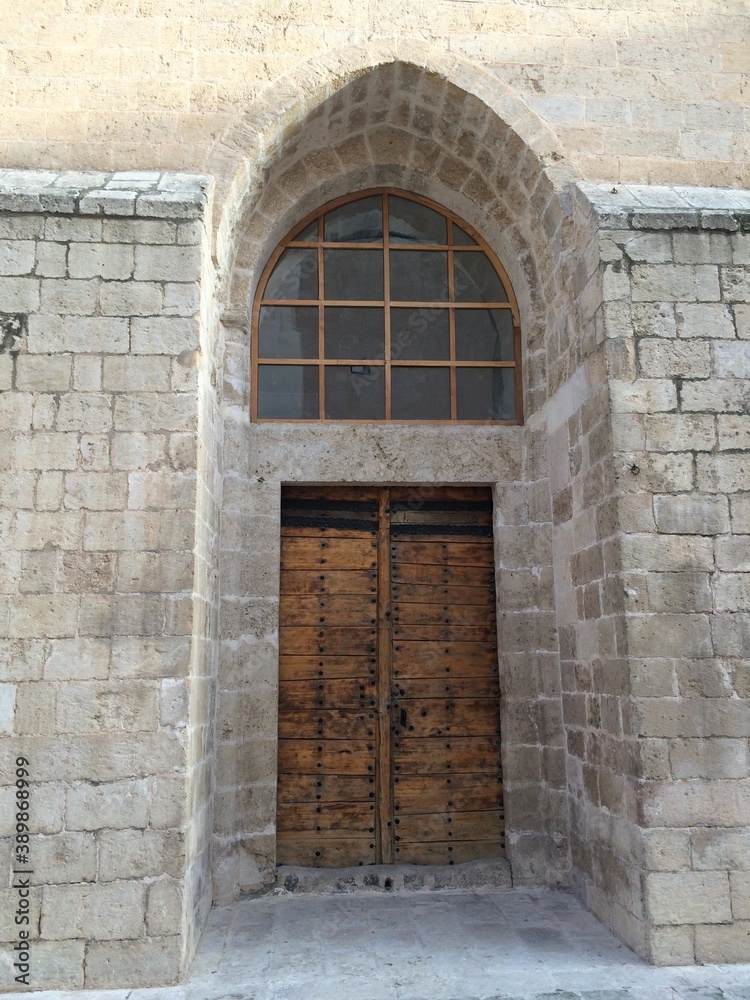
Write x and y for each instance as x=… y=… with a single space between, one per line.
x=387 y=306
x=321 y=321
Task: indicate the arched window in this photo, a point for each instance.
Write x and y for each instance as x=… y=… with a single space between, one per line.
x=383 y=306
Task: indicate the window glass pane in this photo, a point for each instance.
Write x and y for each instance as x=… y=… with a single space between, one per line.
x=485 y=394
x=358 y=222
x=462 y=238
x=309 y=234
x=420 y=335
x=354 y=332
x=484 y=335
x=420 y=394
x=355 y=393
x=475 y=279
x=410 y=222
x=288 y=332
x=354 y=274
x=295 y=276
x=288 y=392
x=419 y=275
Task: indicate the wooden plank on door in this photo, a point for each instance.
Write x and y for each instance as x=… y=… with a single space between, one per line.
x=418 y=794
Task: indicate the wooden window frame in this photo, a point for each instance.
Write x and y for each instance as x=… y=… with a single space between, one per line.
x=320 y=246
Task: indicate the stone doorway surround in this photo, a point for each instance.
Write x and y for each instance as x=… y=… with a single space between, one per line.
x=623 y=611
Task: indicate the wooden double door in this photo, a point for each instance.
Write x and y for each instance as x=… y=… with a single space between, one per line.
x=389 y=704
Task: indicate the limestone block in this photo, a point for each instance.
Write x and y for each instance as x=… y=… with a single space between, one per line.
x=76 y=659
x=95 y=490
x=733 y=553
x=100 y=260
x=21 y=659
x=173 y=703
x=666 y=850
x=667 y=553
x=51 y=260
x=108 y=707
x=130 y=298
x=80 y=411
x=679 y=592
x=735 y=284
x=702 y=248
x=60 y=295
x=739 y=885
x=716 y=803
x=87 y=374
x=731 y=634
x=17 y=257
x=15 y=411
x=167 y=802
x=79 y=334
x=181 y=300
x=139 y=854
x=643 y=396
x=128 y=530
x=34 y=709
x=728 y=395
x=713 y=758
x=732 y=359
x=150 y=412
x=691 y=515
x=164 y=572
x=734 y=433
x=154 y=490
x=732 y=591
x=742 y=321
x=6 y=372
x=661 y=358
x=69 y=230
x=671 y=945
x=675 y=282
x=94 y=450
x=688 y=897
x=65 y=857
x=53 y=616
x=165 y=263
x=723 y=473
x=164 y=335
x=20 y=294
x=714 y=849
x=740 y=511
x=150 y=658
x=96 y=912
x=164 y=909
x=137 y=450
x=690 y=717
x=82 y=572
x=136 y=374
x=152 y=962
x=653 y=319
x=729 y=943
x=43 y=373
x=107 y=805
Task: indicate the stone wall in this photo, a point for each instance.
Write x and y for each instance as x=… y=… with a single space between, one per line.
x=107 y=571
x=674 y=323
x=635 y=91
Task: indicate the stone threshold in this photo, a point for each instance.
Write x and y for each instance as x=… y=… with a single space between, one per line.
x=298 y=881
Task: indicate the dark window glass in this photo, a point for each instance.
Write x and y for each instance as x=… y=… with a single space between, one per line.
x=420 y=393
x=354 y=274
x=354 y=332
x=420 y=334
x=309 y=234
x=410 y=222
x=476 y=280
x=288 y=392
x=484 y=335
x=357 y=222
x=288 y=332
x=295 y=276
x=485 y=394
x=419 y=275
x=355 y=393
x=462 y=238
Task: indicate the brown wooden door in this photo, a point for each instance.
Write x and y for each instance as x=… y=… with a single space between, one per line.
x=389 y=722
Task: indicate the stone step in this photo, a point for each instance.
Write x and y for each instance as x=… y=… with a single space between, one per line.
x=494 y=874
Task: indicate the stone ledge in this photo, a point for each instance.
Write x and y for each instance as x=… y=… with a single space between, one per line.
x=291 y=879
x=643 y=206
x=128 y=194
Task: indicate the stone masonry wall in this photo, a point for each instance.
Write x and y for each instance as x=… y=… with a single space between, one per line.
x=107 y=613
x=676 y=318
x=636 y=91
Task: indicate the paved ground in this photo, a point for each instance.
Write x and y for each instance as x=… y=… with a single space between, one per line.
x=452 y=945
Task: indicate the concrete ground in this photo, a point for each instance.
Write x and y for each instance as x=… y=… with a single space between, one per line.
x=442 y=945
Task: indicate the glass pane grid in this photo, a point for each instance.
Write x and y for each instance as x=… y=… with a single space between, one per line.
x=414 y=372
